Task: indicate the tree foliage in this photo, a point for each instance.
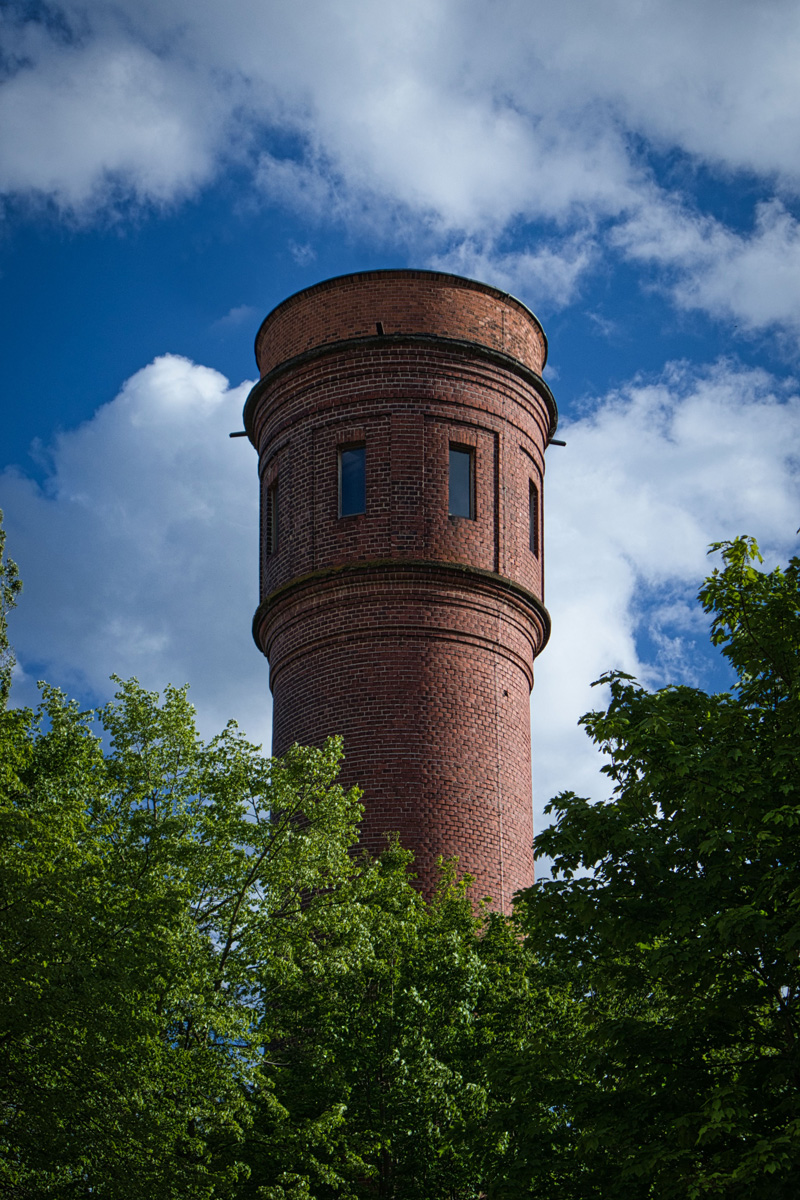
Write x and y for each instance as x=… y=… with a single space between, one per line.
x=10 y=587
x=152 y=895
x=673 y=916
x=396 y=1044
x=203 y=992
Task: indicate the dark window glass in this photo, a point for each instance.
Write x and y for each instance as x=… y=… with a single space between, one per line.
x=272 y=518
x=352 y=480
x=461 y=482
x=533 y=516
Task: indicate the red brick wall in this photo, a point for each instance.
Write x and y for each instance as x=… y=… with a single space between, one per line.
x=426 y=672
x=410 y=632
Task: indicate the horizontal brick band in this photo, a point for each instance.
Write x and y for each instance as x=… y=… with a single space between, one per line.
x=351 y=584
x=459 y=348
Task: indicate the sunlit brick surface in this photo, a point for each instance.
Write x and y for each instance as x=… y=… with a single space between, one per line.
x=404 y=302
x=410 y=632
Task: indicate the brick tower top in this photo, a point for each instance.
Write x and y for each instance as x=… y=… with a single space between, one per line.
x=392 y=302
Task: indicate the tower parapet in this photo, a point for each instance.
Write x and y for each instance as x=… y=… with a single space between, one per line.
x=401 y=422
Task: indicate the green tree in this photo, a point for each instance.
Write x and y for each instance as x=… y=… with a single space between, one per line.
x=10 y=587
x=203 y=992
x=394 y=1040
x=673 y=917
x=153 y=896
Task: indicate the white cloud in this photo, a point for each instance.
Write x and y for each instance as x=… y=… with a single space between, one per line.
x=240 y=315
x=654 y=474
x=86 y=125
x=139 y=552
x=302 y=253
x=716 y=80
x=753 y=278
x=552 y=272
x=468 y=115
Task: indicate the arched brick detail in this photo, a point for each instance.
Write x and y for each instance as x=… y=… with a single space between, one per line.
x=410 y=632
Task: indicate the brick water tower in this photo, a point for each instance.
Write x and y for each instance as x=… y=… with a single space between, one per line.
x=401 y=422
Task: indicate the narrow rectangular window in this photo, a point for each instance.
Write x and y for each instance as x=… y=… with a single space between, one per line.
x=352 y=480
x=462 y=482
x=272 y=518
x=533 y=517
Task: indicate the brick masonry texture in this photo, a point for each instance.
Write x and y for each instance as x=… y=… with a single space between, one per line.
x=410 y=632
x=404 y=302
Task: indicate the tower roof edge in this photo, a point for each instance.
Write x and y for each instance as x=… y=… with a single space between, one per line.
x=409 y=295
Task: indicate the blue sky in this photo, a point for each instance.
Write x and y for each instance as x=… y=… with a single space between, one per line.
x=170 y=171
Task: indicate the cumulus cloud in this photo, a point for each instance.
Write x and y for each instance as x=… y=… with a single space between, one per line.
x=139 y=550
x=651 y=476
x=87 y=125
x=751 y=277
x=714 y=80
x=241 y=314
x=449 y=123
x=552 y=272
